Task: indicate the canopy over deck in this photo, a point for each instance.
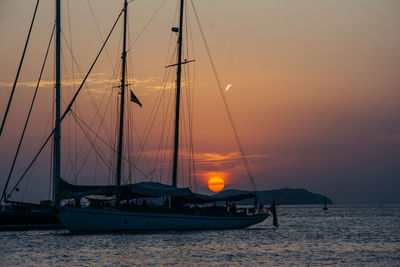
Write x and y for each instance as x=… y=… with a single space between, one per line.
x=144 y=190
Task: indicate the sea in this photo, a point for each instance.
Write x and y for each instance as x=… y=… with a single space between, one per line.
x=343 y=235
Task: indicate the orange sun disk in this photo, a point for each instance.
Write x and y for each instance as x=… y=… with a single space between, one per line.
x=216 y=184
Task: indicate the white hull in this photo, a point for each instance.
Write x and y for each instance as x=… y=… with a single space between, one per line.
x=78 y=220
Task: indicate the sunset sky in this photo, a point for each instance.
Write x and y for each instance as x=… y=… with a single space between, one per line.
x=315 y=89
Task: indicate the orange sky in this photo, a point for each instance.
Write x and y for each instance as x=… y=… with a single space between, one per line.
x=314 y=95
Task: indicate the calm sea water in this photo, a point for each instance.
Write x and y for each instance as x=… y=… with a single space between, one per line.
x=362 y=235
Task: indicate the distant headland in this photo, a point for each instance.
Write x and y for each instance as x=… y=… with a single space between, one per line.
x=284 y=196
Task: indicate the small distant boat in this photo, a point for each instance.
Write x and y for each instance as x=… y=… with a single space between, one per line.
x=325 y=207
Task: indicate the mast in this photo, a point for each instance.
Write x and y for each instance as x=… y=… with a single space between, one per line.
x=178 y=96
x=121 y=115
x=57 y=133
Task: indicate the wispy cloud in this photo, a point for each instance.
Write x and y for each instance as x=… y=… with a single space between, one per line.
x=92 y=81
x=216 y=159
x=99 y=80
x=165 y=86
x=220 y=158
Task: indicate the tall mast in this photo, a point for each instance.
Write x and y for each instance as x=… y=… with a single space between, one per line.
x=178 y=97
x=57 y=133
x=121 y=115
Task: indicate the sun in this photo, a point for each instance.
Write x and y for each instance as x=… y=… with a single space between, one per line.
x=216 y=184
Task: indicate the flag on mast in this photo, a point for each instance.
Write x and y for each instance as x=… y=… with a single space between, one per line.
x=135 y=99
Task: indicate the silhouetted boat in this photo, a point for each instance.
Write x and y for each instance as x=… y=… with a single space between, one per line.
x=122 y=213
x=124 y=207
x=16 y=215
x=325 y=207
x=25 y=216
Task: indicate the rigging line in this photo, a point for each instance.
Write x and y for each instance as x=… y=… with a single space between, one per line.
x=87 y=154
x=97 y=112
x=169 y=137
x=50 y=173
x=149 y=126
x=186 y=96
x=73 y=87
x=191 y=39
x=142 y=142
x=190 y=121
x=95 y=170
x=90 y=141
x=183 y=126
x=19 y=69
x=185 y=101
x=3 y=195
x=225 y=102
x=68 y=155
x=190 y=128
x=97 y=108
x=90 y=69
x=156 y=107
x=50 y=125
x=145 y=26
x=186 y=32
x=69 y=106
x=130 y=144
x=160 y=156
x=161 y=146
x=190 y=34
x=99 y=32
x=90 y=96
x=169 y=45
x=113 y=121
x=150 y=123
x=81 y=146
x=164 y=122
x=191 y=91
x=139 y=141
x=26 y=188
x=104 y=142
x=185 y=139
x=129 y=73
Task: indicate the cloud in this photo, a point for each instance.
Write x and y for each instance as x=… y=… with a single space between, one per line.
x=393 y=137
x=93 y=80
x=101 y=80
x=226 y=161
x=217 y=157
x=209 y=159
x=166 y=86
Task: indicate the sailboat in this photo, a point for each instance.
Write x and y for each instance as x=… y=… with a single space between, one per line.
x=18 y=215
x=27 y=216
x=123 y=207
x=176 y=214
x=325 y=206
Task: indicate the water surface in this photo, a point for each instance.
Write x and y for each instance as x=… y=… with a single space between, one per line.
x=344 y=235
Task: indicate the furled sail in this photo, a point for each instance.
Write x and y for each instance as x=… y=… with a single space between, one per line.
x=128 y=191
x=144 y=190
